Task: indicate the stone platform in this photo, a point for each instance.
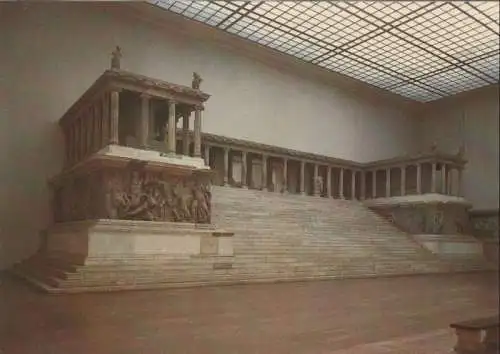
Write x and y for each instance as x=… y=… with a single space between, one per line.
x=97 y=255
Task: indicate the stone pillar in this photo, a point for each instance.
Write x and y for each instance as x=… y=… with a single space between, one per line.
x=443 y=178
x=387 y=182
x=403 y=180
x=374 y=184
x=114 y=117
x=353 y=185
x=264 y=172
x=316 y=191
x=105 y=120
x=207 y=155
x=328 y=181
x=144 y=123
x=302 y=177
x=419 y=178
x=459 y=182
x=70 y=143
x=185 y=134
x=82 y=140
x=197 y=132
x=226 y=166
x=171 y=139
x=341 y=184
x=363 y=185
x=244 y=170
x=285 y=175
x=433 y=178
x=97 y=127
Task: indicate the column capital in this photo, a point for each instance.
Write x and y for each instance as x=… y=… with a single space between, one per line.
x=145 y=96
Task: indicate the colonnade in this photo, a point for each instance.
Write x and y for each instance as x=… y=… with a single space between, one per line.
x=97 y=125
x=318 y=178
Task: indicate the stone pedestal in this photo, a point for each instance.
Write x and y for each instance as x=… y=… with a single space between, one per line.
x=439 y=223
x=127 y=218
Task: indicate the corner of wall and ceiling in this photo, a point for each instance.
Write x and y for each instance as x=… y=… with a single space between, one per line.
x=164 y=19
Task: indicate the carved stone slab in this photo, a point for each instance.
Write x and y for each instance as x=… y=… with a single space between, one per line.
x=133 y=191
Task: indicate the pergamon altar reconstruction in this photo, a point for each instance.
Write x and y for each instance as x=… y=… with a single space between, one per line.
x=219 y=177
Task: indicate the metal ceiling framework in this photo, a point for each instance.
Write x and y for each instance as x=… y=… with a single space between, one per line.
x=422 y=50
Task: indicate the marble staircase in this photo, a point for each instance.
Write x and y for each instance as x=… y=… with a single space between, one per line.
x=292 y=237
x=276 y=238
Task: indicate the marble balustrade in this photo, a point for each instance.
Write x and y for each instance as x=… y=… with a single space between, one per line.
x=249 y=167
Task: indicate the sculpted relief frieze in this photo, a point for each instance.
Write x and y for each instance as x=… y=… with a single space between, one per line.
x=132 y=194
x=429 y=219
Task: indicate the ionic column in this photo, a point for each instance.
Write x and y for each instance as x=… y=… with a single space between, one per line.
x=341 y=184
x=105 y=120
x=185 y=134
x=114 y=117
x=374 y=184
x=459 y=182
x=197 y=132
x=443 y=178
x=144 y=124
x=171 y=139
x=244 y=169
x=363 y=185
x=89 y=130
x=302 y=177
x=433 y=178
x=67 y=144
x=82 y=136
x=316 y=193
x=403 y=180
x=226 y=166
x=76 y=141
x=328 y=181
x=419 y=178
x=353 y=185
x=285 y=175
x=207 y=155
x=264 y=172
x=387 y=182
x=97 y=127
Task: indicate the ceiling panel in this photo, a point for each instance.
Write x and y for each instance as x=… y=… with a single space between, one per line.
x=423 y=50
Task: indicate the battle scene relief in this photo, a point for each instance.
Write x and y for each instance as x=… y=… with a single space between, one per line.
x=134 y=194
x=444 y=219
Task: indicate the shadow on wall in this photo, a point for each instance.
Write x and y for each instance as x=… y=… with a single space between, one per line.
x=33 y=157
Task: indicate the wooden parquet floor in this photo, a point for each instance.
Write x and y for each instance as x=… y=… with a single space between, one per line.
x=399 y=315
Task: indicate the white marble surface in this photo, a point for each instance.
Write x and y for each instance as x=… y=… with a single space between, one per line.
x=153 y=156
x=428 y=198
x=125 y=238
x=459 y=245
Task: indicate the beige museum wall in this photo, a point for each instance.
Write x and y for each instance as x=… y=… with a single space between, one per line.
x=51 y=52
x=479 y=112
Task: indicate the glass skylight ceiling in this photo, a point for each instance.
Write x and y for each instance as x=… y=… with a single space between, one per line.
x=423 y=50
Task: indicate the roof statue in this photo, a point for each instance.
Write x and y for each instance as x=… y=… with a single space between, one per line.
x=116 y=55
x=195 y=84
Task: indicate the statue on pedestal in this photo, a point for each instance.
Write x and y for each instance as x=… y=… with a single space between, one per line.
x=195 y=84
x=116 y=56
x=318 y=186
